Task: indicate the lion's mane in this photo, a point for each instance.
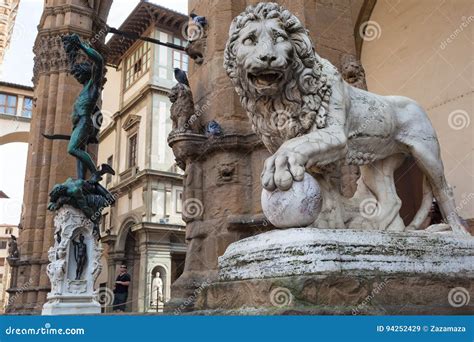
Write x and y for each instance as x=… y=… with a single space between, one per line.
x=305 y=97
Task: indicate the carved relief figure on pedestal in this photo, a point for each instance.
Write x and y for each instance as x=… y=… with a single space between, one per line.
x=312 y=121
x=56 y=269
x=74 y=264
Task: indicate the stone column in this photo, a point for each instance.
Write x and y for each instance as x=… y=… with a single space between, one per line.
x=222 y=180
x=48 y=162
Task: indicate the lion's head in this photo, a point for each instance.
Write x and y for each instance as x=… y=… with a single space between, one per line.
x=271 y=61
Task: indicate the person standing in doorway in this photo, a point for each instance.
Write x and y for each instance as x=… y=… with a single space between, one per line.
x=121 y=289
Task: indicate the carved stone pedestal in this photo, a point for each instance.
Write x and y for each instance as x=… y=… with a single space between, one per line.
x=73 y=293
x=343 y=271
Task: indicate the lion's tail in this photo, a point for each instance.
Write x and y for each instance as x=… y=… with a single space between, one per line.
x=425 y=207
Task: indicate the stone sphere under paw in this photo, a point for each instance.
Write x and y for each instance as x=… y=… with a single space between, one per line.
x=297 y=207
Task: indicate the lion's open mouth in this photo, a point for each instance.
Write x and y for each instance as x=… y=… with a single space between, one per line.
x=266 y=78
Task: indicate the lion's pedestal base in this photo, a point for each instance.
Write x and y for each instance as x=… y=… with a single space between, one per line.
x=330 y=271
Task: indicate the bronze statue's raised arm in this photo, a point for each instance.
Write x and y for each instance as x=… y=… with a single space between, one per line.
x=98 y=65
x=72 y=43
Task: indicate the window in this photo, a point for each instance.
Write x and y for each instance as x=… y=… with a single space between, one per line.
x=8 y=231
x=137 y=64
x=27 y=107
x=104 y=221
x=167 y=203
x=3 y=244
x=179 y=201
x=108 y=178
x=132 y=150
x=2 y=261
x=8 y=104
x=180 y=60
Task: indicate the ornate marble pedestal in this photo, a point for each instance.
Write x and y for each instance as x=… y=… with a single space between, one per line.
x=71 y=295
x=343 y=271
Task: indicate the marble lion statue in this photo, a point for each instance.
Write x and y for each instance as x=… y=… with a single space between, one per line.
x=312 y=121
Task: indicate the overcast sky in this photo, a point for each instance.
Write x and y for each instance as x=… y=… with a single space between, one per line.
x=18 y=68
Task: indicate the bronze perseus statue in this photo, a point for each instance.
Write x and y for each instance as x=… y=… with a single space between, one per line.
x=86 y=115
x=87 y=195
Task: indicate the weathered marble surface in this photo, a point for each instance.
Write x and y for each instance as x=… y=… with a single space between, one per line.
x=303 y=251
x=337 y=294
x=306 y=271
x=69 y=295
x=311 y=120
x=298 y=206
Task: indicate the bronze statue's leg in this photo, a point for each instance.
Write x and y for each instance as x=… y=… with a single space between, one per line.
x=79 y=138
x=80 y=169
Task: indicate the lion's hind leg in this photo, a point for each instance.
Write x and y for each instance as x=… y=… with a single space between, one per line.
x=427 y=156
x=378 y=178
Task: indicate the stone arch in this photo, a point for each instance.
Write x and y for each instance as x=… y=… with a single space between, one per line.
x=19 y=136
x=126 y=244
x=122 y=233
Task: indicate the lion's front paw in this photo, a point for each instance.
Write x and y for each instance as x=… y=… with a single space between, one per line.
x=281 y=169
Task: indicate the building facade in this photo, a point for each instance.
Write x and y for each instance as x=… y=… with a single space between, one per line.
x=144 y=228
x=8 y=11
x=6 y=231
x=16 y=107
